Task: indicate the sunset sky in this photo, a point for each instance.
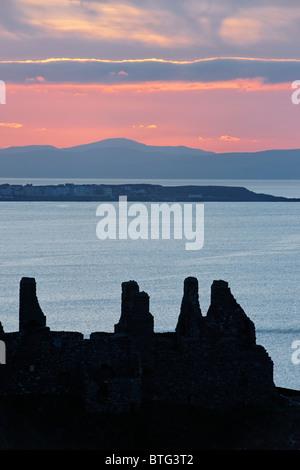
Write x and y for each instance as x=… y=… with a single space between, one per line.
x=212 y=74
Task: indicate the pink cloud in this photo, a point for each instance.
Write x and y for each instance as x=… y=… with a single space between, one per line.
x=36 y=79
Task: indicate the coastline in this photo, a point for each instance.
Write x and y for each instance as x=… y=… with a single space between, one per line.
x=134 y=192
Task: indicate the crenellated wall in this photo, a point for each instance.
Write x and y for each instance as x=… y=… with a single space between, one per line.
x=210 y=361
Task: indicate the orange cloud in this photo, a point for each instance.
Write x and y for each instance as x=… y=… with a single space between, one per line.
x=228 y=138
x=224 y=138
x=13 y=125
x=256 y=24
x=113 y=21
x=150 y=126
x=242 y=85
x=241 y=31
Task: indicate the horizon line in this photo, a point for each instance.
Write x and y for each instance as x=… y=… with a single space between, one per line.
x=142 y=143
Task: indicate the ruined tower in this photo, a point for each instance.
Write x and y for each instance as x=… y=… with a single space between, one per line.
x=228 y=317
x=190 y=318
x=30 y=313
x=136 y=321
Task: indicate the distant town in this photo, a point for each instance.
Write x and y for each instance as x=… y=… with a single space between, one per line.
x=134 y=192
x=49 y=192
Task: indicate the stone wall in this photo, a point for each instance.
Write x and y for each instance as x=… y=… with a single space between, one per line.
x=210 y=361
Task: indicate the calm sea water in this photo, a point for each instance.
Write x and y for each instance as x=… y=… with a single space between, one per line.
x=253 y=246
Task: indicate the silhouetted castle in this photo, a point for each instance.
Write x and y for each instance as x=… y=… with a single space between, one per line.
x=210 y=361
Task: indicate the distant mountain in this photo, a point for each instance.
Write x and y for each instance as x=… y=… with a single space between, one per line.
x=108 y=144
x=129 y=144
x=27 y=148
x=124 y=158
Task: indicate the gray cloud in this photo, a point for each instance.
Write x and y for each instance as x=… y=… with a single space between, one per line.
x=12 y=21
x=135 y=72
x=201 y=23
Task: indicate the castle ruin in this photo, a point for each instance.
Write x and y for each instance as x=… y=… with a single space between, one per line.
x=209 y=361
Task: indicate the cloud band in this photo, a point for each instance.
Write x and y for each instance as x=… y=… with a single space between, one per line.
x=151 y=70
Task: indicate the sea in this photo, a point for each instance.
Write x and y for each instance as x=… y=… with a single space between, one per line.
x=254 y=246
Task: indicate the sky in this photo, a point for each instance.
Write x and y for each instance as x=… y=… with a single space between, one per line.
x=215 y=74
